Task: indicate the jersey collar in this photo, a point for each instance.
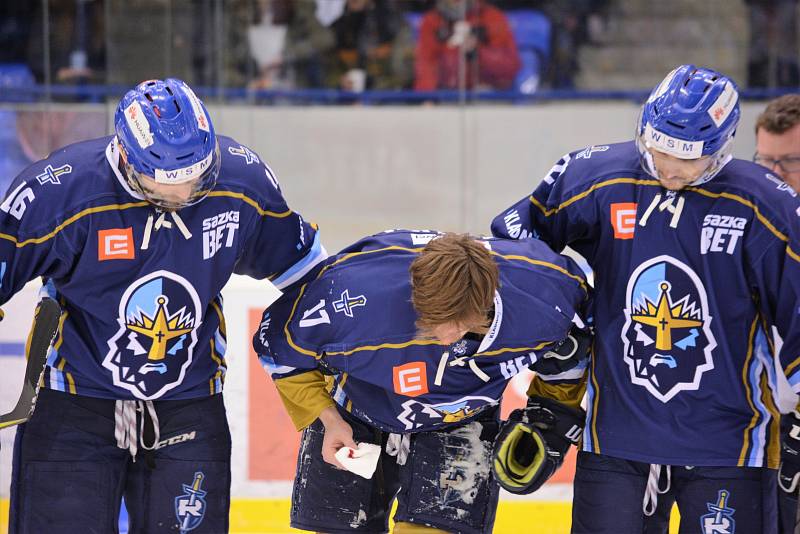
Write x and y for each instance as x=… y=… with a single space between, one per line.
x=112 y=155
x=494 y=328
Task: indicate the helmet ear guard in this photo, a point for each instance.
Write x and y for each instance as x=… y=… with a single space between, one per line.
x=532 y=444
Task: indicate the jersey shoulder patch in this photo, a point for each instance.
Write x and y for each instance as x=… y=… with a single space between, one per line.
x=71 y=179
x=752 y=183
x=243 y=170
x=579 y=169
x=351 y=302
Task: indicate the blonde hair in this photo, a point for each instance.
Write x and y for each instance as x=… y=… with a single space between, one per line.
x=453 y=280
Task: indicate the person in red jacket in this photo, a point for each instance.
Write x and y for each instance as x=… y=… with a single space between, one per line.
x=475 y=29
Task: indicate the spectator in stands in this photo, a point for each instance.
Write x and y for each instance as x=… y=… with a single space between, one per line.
x=778 y=139
x=76 y=39
x=299 y=60
x=218 y=58
x=772 y=56
x=374 y=48
x=307 y=42
x=417 y=6
x=16 y=19
x=266 y=38
x=328 y=11
x=571 y=21
x=470 y=28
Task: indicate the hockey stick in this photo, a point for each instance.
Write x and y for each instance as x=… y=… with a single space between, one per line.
x=45 y=327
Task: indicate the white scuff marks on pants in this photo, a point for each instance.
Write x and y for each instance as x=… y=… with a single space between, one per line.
x=305 y=459
x=467 y=461
x=359 y=520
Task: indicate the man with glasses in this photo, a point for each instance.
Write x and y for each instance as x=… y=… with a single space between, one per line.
x=778 y=139
x=778 y=149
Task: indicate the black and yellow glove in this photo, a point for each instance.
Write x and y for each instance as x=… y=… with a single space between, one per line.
x=531 y=445
x=789 y=471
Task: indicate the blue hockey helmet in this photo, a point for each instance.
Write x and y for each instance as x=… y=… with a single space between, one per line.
x=691 y=115
x=169 y=151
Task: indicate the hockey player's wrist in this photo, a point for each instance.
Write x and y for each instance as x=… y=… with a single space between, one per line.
x=330 y=416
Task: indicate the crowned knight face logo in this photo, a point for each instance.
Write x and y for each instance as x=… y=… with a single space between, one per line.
x=158 y=317
x=667 y=335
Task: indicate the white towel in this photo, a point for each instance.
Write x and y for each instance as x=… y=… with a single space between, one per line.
x=361 y=461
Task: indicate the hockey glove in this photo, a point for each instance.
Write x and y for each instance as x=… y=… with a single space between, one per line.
x=565 y=354
x=789 y=473
x=531 y=445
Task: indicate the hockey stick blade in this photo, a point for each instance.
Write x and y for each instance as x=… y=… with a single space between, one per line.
x=48 y=315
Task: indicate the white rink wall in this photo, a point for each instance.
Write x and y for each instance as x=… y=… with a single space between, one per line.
x=360 y=170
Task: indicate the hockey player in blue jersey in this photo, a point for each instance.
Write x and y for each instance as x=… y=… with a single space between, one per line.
x=778 y=149
x=137 y=234
x=697 y=278
x=418 y=334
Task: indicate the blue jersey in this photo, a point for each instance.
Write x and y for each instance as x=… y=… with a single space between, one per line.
x=695 y=291
x=355 y=320
x=140 y=289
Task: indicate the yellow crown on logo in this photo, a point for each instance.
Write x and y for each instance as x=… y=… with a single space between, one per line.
x=160 y=329
x=665 y=317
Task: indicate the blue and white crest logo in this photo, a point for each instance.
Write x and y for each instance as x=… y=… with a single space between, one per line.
x=158 y=319
x=190 y=508
x=720 y=520
x=667 y=335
